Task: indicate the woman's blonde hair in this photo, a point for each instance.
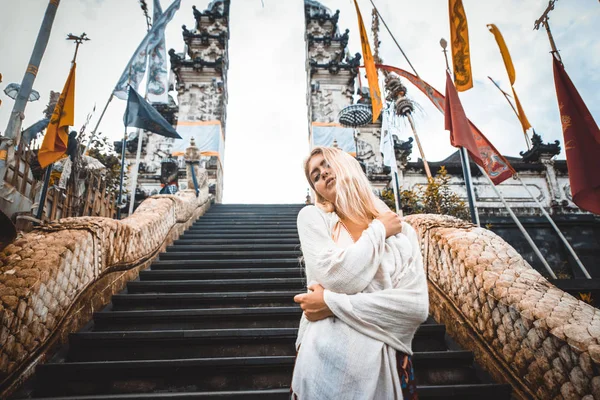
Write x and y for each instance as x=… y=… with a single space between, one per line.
x=354 y=198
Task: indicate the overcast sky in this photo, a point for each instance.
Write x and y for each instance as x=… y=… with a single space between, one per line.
x=266 y=127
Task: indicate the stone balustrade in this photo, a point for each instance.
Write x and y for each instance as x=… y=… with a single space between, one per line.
x=53 y=278
x=524 y=331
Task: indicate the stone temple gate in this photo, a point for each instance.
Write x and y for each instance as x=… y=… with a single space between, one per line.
x=189 y=298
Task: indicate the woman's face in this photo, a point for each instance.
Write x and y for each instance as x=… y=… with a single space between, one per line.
x=322 y=177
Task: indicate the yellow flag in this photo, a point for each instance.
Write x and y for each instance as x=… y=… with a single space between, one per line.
x=369 y=67
x=55 y=141
x=510 y=70
x=459 y=38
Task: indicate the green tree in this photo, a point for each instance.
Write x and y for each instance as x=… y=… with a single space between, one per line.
x=435 y=198
x=102 y=150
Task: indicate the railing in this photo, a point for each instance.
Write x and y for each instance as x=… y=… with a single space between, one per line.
x=23 y=181
x=61 y=203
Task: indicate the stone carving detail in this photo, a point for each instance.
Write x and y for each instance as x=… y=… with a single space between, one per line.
x=547 y=340
x=211 y=53
x=201 y=103
x=540 y=150
x=364 y=151
x=323 y=107
x=322 y=55
x=316 y=30
x=43 y=272
x=217 y=29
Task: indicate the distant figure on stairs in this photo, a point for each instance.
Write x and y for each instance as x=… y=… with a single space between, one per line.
x=367 y=289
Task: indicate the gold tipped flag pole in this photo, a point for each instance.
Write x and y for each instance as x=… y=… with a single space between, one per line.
x=543 y=20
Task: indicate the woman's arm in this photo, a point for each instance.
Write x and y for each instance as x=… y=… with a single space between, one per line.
x=343 y=270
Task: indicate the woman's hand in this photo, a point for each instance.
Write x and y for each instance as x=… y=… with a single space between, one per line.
x=392 y=223
x=313 y=304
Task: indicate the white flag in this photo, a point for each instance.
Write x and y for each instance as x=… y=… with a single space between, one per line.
x=136 y=68
x=157 y=86
x=386 y=146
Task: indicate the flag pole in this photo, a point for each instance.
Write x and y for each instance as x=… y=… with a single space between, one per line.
x=394 y=39
x=506 y=96
x=93 y=134
x=425 y=163
x=140 y=137
x=135 y=169
x=558 y=232
x=536 y=250
x=13 y=130
x=123 y=144
x=464 y=158
x=543 y=20
x=40 y=210
x=394 y=167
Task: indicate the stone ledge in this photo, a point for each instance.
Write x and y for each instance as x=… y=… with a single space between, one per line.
x=530 y=334
x=52 y=279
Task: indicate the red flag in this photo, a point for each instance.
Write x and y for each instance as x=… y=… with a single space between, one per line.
x=494 y=163
x=582 y=142
x=458 y=124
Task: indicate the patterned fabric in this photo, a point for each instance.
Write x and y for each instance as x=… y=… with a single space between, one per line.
x=407 y=376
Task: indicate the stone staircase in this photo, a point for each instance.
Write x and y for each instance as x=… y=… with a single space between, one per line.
x=214 y=318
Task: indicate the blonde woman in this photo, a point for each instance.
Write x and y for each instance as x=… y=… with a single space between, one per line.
x=367 y=289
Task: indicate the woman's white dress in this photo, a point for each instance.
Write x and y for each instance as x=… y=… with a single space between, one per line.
x=377 y=290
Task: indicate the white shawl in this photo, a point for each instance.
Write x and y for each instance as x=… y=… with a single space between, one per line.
x=377 y=290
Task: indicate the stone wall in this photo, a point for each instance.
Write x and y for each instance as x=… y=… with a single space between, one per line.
x=522 y=329
x=52 y=279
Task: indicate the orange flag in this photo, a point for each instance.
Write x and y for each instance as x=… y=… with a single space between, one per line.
x=510 y=70
x=369 y=67
x=459 y=38
x=55 y=141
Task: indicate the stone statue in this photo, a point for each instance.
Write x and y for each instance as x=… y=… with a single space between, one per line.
x=192 y=160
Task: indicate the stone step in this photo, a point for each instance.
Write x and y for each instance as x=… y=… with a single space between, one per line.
x=201 y=248
x=215 y=285
x=239 y=235
x=273 y=394
x=222 y=373
x=217 y=242
x=146 y=376
x=450 y=392
x=292 y=218
x=220 y=273
x=166 y=301
x=181 y=344
x=250 y=224
x=174 y=343
x=227 y=255
x=202 y=318
x=444 y=368
x=238 y=263
x=257 y=213
x=258 y=230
